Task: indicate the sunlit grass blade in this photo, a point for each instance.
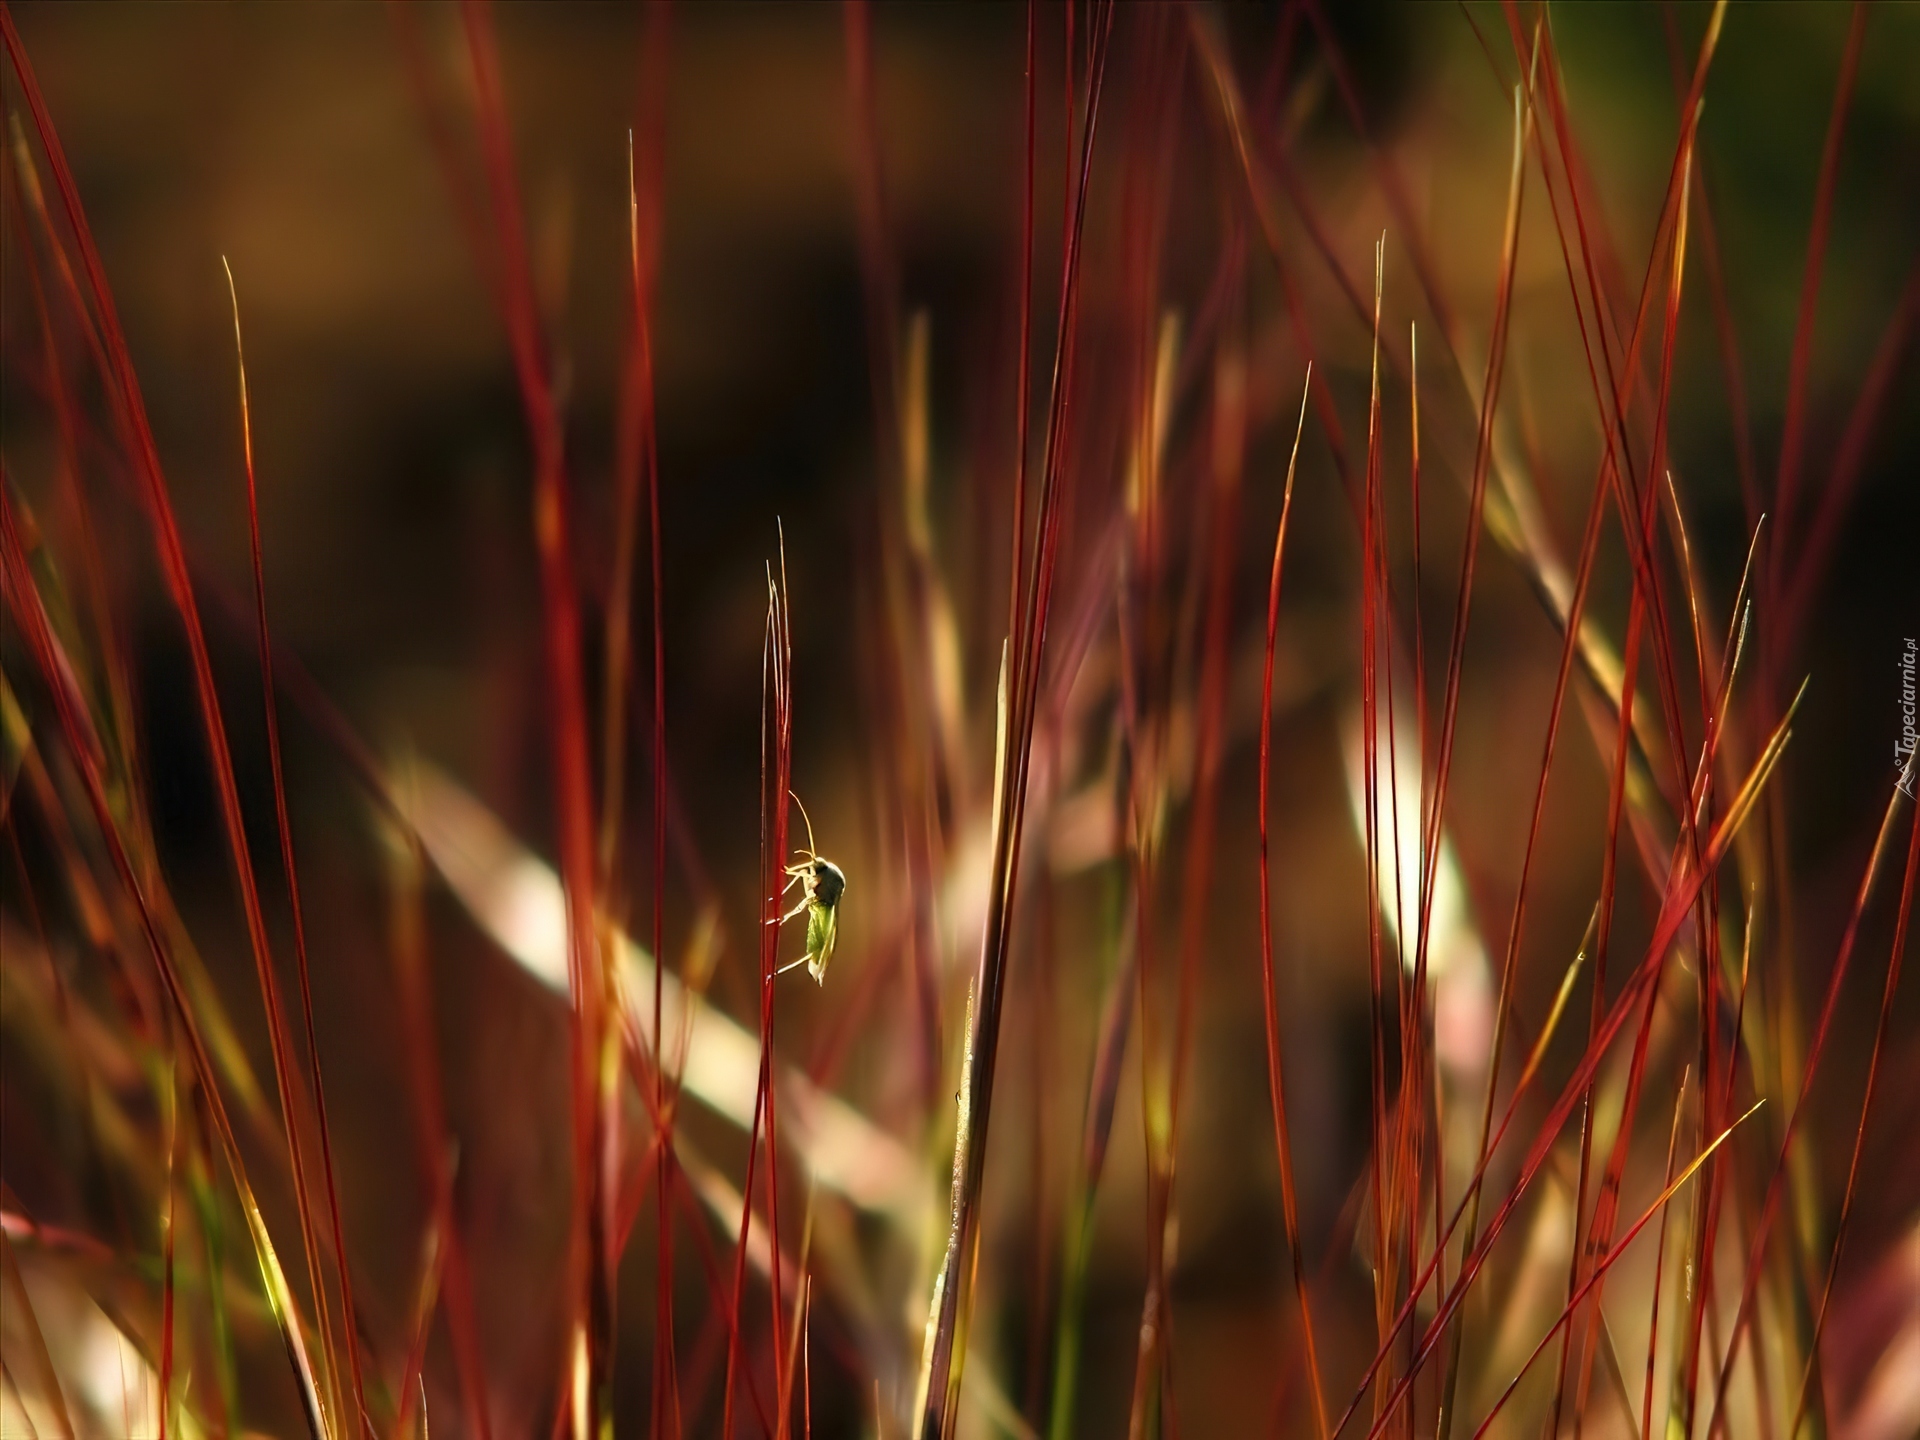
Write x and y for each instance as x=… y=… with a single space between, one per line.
x=1677 y=903
x=516 y=900
x=1614 y=1253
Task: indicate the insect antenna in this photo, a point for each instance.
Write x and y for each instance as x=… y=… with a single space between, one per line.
x=811 y=852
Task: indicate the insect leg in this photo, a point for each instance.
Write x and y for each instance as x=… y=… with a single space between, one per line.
x=799 y=905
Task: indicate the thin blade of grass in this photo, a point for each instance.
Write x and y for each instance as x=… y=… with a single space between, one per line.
x=593 y=1125
x=407 y=942
x=1676 y=904
x=776 y=748
x=426 y=1297
x=328 y=1174
x=1659 y=1265
x=1606 y=1261
x=1375 y=625
x=1269 y=1010
x=167 y=1221
x=1849 y=460
x=59 y=676
x=1640 y=605
x=1860 y=1133
x=638 y=453
x=1793 y=427
x=130 y=413
x=1103 y=1087
x=945 y=1352
x=1430 y=844
x=1233 y=112
x=1822 y=1029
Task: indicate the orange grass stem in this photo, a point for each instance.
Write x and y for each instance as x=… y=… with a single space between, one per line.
x=1269 y=1010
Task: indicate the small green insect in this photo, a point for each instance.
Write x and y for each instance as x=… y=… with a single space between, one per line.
x=821 y=883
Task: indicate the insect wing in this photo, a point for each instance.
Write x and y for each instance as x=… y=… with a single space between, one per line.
x=822 y=930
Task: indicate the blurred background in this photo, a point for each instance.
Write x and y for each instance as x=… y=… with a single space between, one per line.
x=396 y=484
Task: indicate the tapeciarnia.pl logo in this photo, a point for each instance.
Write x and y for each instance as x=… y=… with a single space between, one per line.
x=1903 y=747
